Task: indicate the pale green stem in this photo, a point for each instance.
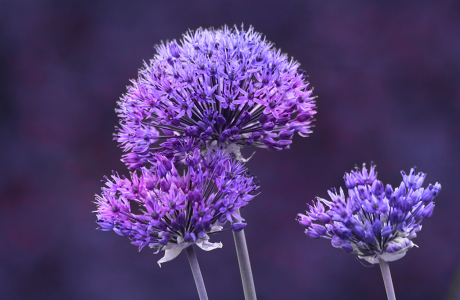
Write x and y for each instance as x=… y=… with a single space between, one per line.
x=196 y=272
x=385 y=268
x=245 y=265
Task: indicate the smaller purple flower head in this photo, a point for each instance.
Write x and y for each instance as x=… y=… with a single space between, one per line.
x=159 y=208
x=373 y=221
x=215 y=86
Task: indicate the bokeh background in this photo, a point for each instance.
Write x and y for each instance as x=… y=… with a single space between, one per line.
x=386 y=74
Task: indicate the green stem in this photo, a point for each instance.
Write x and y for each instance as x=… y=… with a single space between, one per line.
x=245 y=265
x=385 y=268
x=196 y=272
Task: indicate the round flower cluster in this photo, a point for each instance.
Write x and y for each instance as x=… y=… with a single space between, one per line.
x=222 y=87
x=167 y=211
x=373 y=222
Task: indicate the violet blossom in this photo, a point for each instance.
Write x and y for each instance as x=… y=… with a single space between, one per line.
x=373 y=221
x=160 y=208
x=214 y=88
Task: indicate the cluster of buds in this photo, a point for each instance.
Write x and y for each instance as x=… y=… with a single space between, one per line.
x=373 y=221
x=159 y=208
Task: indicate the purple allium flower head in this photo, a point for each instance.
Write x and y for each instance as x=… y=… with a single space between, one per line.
x=373 y=221
x=167 y=211
x=214 y=88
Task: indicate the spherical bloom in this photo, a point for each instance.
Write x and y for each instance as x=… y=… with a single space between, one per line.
x=167 y=211
x=214 y=87
x=373 y=222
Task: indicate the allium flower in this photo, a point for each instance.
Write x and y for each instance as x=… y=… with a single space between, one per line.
x=214 y=87
x=373 y=222
x=167 y=211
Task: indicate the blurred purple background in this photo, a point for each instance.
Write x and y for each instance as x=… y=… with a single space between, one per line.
x=386 y=75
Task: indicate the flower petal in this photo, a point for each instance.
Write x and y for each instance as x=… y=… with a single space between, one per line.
x=207 y=246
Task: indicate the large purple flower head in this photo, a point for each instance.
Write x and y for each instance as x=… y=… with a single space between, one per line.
x=373 y=221
x=167 y=211
x=214 y=88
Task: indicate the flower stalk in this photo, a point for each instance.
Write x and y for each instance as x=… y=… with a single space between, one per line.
x=245 y=265
x=191 y=255
x=385 y=268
